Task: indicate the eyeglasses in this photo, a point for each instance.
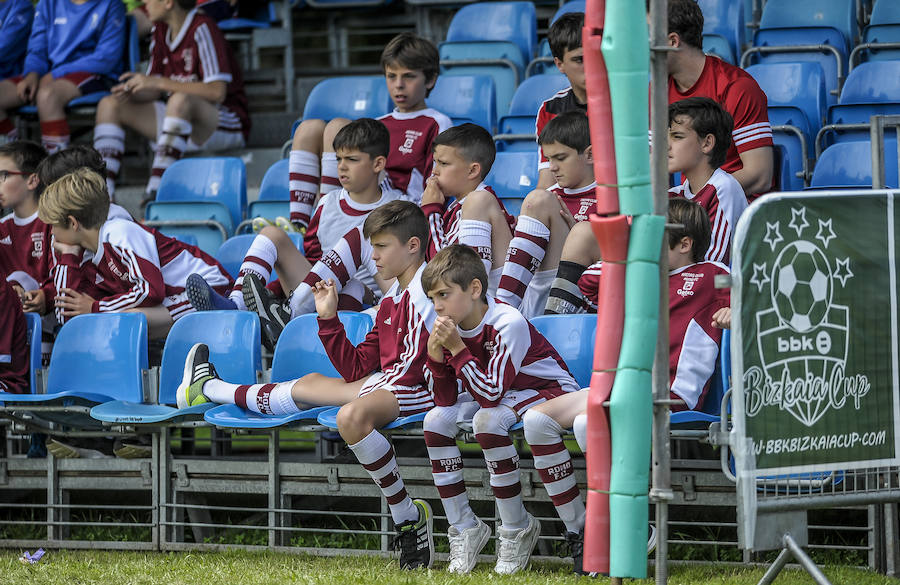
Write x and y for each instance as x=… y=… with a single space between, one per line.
x=5 y=174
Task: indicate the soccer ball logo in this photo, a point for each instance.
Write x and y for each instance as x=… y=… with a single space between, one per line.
x=801 y=288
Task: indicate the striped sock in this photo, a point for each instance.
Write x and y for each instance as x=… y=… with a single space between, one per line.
x=259 y=260
x=170 y=147
x=565 y=296
x=524 y=257
x=109 y=141
x=376 y=454
x=477 y=235
x=303 y=168
x=262 y=398
x=55 y=135
x=447 y=465
x=491 y=426
x=330 y=180
x=341 y=264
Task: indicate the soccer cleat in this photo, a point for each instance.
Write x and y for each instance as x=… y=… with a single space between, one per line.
x=197 y=371
x=465 y=546
x=259 y=223
x=286 y=224
x=515 y=546
x=203 y=297
x=415 y=539
x=273 y=314
x=575 y=544
x=651 y=541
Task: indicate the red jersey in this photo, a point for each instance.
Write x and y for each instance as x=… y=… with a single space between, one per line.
x=443 y=223
x=13 y=342
x=396 y=345
x=561 y=102
x=504 y=352
x=200 y=53
x=723 y=199
x=410 y=158
x=580 y=202
x=740 y=96
x=25 y=250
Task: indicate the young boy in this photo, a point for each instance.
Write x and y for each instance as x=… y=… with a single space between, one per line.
x=393 y=350
x=24 y=239
x=693 y=350
x=16 y=17
x=13 y=341
x=486 y=364
x=125 y=267
x=361 y=147
x=76 y=47
x=548 y=215
x=191 y=98
x=410 y=65
x=564 y=38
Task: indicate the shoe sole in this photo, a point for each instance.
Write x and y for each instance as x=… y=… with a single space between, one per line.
x=181 y=395
x=132 y=452
x=254 y=301
x=198 y=294
x=62 y=451
x=479 y=548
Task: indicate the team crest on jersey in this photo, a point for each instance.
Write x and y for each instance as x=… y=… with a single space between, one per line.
x=583 y=210
x=687 y=286
x=188 y=56
x=95 y=20
x=411 y=137
x=490 y=347
x=37 y=242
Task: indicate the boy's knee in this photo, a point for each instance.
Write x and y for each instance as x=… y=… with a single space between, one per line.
x=309 y=131
x=479 y=204
x=350 y=416
x=108 y=109
x=275 y=234
x=493 y=420
x=540 y=201
x=441 y=419
x=529 y=419
x=180 y=105
x=332 y=128
x=47 y=97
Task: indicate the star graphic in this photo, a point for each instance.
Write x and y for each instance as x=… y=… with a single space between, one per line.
x=825 y=233
x=842 y=270
x=773 y=235
x=798 y=213
x=760 y=278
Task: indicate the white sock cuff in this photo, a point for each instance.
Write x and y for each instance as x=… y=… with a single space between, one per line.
x=329 y=157
x=262 y=243
x=579 y=427
x=305 y=158
x=495 y=420
x=282 y=399
x=441 y=420
x=540 y=428
x=473 y=228
x=173 y=125
x=532 y=227
x=108 y=131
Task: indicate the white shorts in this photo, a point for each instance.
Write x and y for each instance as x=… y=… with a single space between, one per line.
x=221 y=139
x=412 y=399
x=518 y=400
x=535 y=298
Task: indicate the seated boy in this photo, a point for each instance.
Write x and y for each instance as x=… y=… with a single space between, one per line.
x=76 y=47
x=693 y=351
x=192 y=97
x=486 y=364
x=16 y=17
x=410 y=65
x=13 y=341
x=564 y=38
x=124 y=267
x=547 y=215
x=462 y=157
x=382 y=376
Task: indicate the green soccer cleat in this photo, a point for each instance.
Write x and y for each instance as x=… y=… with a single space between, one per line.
x=197 y=371
x=415 y=539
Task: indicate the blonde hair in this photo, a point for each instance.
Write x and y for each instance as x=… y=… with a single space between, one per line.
x=456 y=264
x=81 y=194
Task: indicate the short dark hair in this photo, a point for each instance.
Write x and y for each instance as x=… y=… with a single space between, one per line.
x=413 y=52
x=365 y=134
x=65 y=161
x=695 y=222
x=26 y=154
x=686 y=20
x=402 y=219
x=706 y=116
x=472 y=142
x=565 y=34
x=456 y=264
x=569 y=129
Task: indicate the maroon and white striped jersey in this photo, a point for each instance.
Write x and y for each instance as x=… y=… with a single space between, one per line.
x=503 y=353
x=410 y=158
x=396 y=345
x=13 y=342
x=25 y=250
x=443 y=224
x=135 y=266
x=723 y=199
x=580 y=202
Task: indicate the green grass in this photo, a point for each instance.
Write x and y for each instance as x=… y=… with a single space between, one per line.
x=247 y=568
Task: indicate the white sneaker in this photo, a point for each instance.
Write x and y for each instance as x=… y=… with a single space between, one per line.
x=465 y=546
x=651 y=541
x=515 y=546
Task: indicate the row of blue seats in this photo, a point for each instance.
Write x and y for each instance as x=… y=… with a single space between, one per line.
x=98 y=366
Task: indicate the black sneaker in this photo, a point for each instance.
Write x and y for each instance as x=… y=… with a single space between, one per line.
x=273 y=315
x=575 y=544
x=415 y=539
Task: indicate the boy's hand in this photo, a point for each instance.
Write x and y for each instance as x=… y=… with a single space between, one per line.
x=27 y=88
x=73 y=302
x=325 y=294
x=34 y=302
x=432 y=192
x=67 y=248
x=20 y=292
x=435 y=349
x=446 y=334
x=565 y=213
x=132 y=83
x=722 y=318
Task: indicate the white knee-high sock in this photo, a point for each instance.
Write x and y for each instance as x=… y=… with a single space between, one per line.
x=524 y=257
x=303 y=169
x=477 y=235
x=447 y=466
x=491 y=426
x=579 y=428
x=109 y=141
x=262 y=398
x=170 y=147
x=376 y=454
x=259 y=260
x=330 y=180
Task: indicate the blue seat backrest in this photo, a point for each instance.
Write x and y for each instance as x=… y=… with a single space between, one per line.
x=348 y=97
x=207 y=180
x=849 y=164
x=573 y=338
x=189 y=239
x=534 y=91
x=472 y=97
x=801 y=85
x=33 y=322
x=132 y=44
x=299 y=350
x=234 y=348
x=837 y=14
x=515 y=22
x=275 y=185
x=726 y=19
x=100 y=353
x=885 y=12
x=872 y=82
x=514 y=174
x=720 y=382
x=232 y=252
x=571 y=6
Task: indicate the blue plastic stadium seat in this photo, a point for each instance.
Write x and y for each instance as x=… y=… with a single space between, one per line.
x=872 y=88
x=348 y=97
x=469 y=98
x=201 y=189
x=33 y=321
x=513 y=205
x=711 y=406
x=524 y=108
x=883 y=28
x=263 y=17
x=233 y=250
x=723 y=20
x=97 y=358
x=573 y=338
x=514 y=174
x=233 y=340
x=849 y=164
x=274 y=195
x=718 y=46
x=543 y=63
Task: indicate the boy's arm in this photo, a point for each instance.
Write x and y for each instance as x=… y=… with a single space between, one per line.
x=442 y=382
x=487 y=383
x=312 y=247
x=16 y=29
x=752 y=135
x=106 y=57
x=352 y=362
x=36 y=60
x=693 y=360
x=138 y=259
